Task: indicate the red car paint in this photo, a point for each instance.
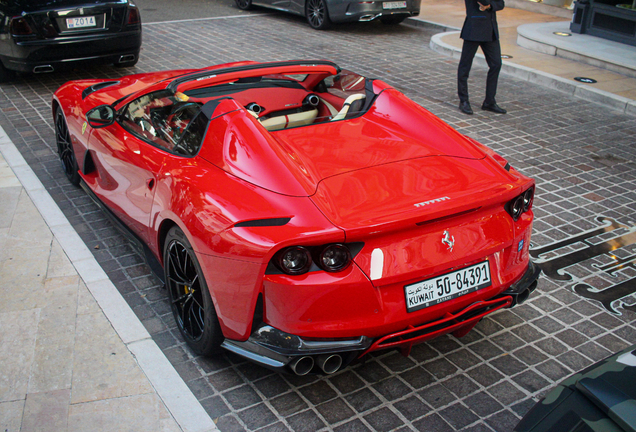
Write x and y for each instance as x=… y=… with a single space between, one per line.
x=395 y=178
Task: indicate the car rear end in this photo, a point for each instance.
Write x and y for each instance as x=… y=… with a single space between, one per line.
x=387 y=11
x=436 y=228
x=429 y=268
x=47 y=36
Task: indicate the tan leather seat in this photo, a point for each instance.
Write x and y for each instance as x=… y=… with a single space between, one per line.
x=290 y=120
x=347 y=104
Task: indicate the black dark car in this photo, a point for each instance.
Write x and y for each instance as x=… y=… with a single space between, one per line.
x=601 y=398
x=46 y=35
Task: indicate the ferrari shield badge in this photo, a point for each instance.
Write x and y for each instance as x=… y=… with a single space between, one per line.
x=448 y=240
x=83 y=128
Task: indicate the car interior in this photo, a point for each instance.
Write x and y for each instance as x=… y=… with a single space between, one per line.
x=276 y=101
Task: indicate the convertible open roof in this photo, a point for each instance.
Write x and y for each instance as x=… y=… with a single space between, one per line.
x=254 y=69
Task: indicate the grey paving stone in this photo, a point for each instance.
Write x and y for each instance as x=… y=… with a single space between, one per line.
x=412 y=408
x=257 y=416
x=288 y=404
x=363 y=400
x=242 y=397
x=458 y=416
x=352 y=426
x=433 y=423
x=460 y=385
x=318 y=392
x=440 y=368
x=483 y=404
x=383 y=420
x=437 y=396
x=531 y=381
x=306 y=421
x=335 y=411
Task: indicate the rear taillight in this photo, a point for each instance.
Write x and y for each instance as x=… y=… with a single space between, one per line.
x=294 y=260
x=20 y=27
x=334 y=258
x=133 y=16
x=298 y=260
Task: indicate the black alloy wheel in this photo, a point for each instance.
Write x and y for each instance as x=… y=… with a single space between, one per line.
x=65 y=148
x=243 y=4
x=192 y=305
x=317 y=14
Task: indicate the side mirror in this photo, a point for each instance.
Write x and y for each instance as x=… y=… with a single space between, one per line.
x=101 y=116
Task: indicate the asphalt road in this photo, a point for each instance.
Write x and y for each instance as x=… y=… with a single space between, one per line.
x=171 y=10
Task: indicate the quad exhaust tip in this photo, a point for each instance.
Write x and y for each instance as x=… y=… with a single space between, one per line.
x=328 y=363
x=302 y=365
x=43 y=69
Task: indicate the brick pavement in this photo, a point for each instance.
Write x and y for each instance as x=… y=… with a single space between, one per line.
x=581 y=154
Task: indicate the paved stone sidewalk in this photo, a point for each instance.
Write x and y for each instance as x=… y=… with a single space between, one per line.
x=62 y=365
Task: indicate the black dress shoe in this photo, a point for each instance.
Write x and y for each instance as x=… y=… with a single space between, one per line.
x=494 y=108
x=465 y=107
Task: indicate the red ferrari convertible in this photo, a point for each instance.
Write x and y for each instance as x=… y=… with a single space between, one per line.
x=300 y=215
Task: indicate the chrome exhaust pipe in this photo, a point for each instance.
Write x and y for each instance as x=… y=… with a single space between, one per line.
x=302 y=365
x=126 y=58
x=43 y=69
x=329 y=363
x=365 y=18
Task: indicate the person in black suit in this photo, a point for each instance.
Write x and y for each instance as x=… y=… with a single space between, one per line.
x=480 y=30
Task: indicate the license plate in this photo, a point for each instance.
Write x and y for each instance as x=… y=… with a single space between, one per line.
x=448 y=286
x=80 y=22
x=394 y=5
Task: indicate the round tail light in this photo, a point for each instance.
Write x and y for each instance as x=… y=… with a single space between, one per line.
x=334 y=258
x=295 y=260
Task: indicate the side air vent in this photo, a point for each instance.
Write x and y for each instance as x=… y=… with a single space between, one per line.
x=92 y=89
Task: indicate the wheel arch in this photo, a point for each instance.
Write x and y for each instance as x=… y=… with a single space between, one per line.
x=162 y=233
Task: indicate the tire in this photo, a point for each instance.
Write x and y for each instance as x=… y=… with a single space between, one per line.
x=190 y=299
x=391 y=20
x=317 y=14
x=243 y=4
x=65 y=148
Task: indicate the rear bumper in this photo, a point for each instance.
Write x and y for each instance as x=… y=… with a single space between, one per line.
x=282 y=351
x=368 y=11
x=67 y=52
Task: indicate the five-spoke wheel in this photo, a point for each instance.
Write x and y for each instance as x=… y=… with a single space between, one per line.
x=317 y=14
x=188 y=292
x=65 y=148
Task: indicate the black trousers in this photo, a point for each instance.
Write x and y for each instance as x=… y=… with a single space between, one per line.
x=492 y=52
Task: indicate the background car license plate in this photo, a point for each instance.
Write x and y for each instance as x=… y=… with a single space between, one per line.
x=448 y=286
x=394 y=5
x=79 y=22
